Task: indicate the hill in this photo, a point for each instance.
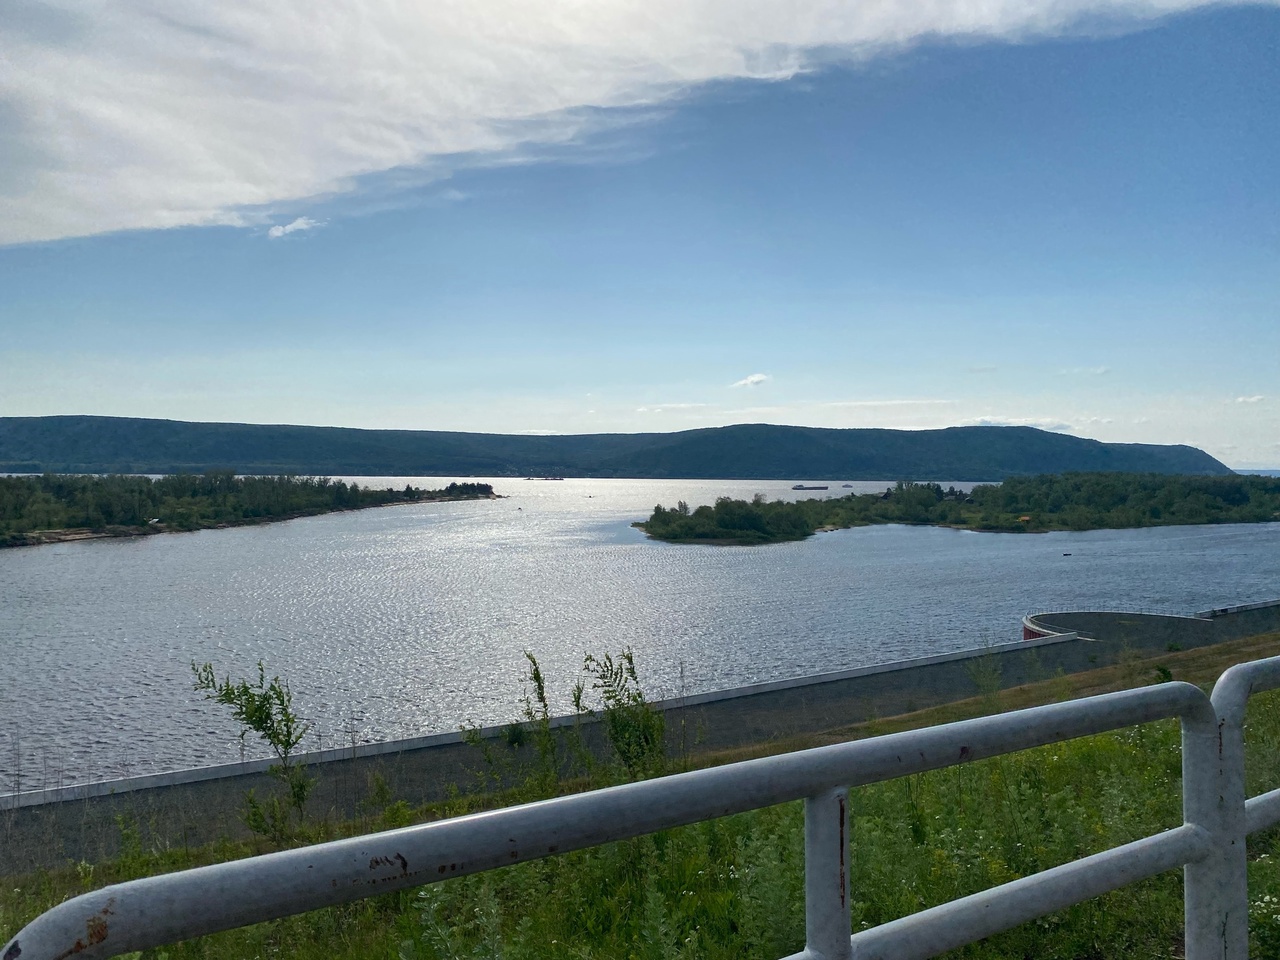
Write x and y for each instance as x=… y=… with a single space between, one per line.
x=83 y=444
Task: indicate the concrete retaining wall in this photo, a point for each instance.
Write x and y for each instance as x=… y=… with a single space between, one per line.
x=192 y=807
x=1147 y=631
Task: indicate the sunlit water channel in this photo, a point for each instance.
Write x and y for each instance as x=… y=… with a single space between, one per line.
x=407 y=620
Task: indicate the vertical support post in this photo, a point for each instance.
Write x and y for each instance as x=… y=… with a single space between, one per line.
x=1235 y=860
x=826 y=876
x=1215 y=893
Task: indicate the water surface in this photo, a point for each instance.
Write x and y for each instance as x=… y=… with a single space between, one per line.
x=413 y=619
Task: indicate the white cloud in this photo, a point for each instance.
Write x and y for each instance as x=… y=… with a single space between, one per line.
x=302 y=223
x=1256 y=398
x=884 y=403
x=754 y=380
x=1084 y=372
x=660 y=407
x=141 y=114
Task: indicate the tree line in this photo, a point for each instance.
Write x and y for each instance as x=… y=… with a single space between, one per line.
x=121 y=503
x=1070 y=501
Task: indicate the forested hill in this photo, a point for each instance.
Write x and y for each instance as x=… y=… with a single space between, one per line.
x=747 y=451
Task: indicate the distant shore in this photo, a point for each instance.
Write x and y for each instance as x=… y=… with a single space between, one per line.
x=210 y=503
x=38 y=538
x=1067 y=502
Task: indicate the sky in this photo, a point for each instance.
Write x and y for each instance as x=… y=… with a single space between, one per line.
x=630 y=216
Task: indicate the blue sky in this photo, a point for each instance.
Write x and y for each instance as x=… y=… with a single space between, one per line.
x=647 y=217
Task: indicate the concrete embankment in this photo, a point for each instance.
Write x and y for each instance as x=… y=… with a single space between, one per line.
x=192 y=807
x=1149 y=631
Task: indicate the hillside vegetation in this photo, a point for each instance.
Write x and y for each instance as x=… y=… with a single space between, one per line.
x=1078 y=501
x=749 y=451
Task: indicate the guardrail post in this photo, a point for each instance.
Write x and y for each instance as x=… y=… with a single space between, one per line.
x=1230 y=700
x=826 y=876
x=1215 y=895
x=1235 y=866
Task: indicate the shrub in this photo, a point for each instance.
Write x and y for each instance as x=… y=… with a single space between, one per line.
x=266 y=708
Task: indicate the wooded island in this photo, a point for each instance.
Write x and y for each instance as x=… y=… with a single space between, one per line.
x=1072 y=501
x=55 y=507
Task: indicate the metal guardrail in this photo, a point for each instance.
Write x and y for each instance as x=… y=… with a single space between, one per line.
x=1209 y=845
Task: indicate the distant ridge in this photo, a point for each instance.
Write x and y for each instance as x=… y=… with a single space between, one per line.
x=756 y=451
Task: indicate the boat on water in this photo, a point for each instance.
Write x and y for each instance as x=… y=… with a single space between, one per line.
x=802 y=486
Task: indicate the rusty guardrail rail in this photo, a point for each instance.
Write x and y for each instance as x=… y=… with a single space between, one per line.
x=1209 y=845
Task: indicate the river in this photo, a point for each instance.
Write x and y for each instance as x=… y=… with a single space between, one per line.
x=406 y=620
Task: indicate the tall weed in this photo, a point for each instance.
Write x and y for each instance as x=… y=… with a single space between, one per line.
x=266 y=708
x=635 y=730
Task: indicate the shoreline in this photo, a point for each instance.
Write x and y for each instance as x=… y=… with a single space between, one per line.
x=1018 y=531
x=1045 y=503
x=41 y=538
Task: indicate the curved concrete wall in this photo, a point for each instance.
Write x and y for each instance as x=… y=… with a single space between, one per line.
x=1151 y=631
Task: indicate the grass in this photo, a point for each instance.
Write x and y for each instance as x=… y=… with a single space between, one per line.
x=734 y=887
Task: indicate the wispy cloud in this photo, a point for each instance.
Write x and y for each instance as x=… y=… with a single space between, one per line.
x=1256 y=398
x=302 y=223
x=754 y=380
x=1084 y=372
x=660 y=407
x=884 y=403
x=138 y=115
